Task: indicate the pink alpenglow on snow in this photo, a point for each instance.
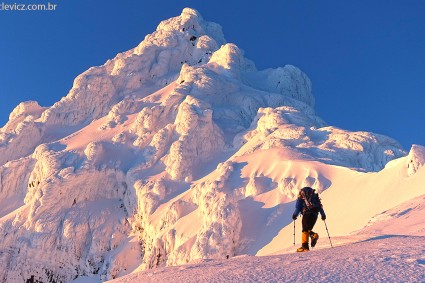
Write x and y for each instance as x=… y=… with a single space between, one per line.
x=179 y=152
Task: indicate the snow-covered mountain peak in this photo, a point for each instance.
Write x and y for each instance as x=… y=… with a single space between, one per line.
x=168 y=153
x=189 y=20
x=189 y=25
x=192 y=19
x=153 y=64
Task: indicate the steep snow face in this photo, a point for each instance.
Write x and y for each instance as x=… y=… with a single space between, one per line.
x=14 y=178
x=176 y=150
x=407 y=218
x=194 y=118
x=288 y=80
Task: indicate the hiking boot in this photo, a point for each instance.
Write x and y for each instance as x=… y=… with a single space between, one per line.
x=303 y=248
x=314 y=237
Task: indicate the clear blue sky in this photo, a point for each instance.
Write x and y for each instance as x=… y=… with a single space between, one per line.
x=366 y=59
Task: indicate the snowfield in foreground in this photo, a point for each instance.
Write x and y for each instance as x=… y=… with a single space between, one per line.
x=378 y=259
x=377 y=253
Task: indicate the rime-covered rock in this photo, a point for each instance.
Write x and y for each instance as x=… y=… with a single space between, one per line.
x=416 y=159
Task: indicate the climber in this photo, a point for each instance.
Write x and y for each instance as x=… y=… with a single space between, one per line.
x=309 y=204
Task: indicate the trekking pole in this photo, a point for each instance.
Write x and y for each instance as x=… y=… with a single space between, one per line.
x=328 y=233
x=294 y=232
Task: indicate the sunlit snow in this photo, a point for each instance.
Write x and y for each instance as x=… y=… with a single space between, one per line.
x=180 y=152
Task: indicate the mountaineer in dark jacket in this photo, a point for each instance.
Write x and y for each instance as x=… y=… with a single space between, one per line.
x=309 y=204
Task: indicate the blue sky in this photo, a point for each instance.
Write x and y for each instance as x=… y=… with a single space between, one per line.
x=366 y=59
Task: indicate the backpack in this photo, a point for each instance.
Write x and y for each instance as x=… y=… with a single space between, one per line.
x=311 y=200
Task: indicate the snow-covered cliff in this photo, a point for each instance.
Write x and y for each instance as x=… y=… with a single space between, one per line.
x=162 y=154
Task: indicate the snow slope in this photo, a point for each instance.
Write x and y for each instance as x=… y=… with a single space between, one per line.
x=380 y=259
x=180 y=150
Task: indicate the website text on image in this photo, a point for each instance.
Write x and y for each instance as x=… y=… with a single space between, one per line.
x=27 y=7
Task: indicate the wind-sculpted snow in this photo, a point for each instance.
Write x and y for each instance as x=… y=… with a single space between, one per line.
x=19 y=130
x=288 y=80
x=153 y=64
x=416 y=159
x=305 y=133
x=176 y=150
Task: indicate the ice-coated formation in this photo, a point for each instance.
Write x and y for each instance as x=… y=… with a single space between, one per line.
x=230 y=58
x=161 y=156
x=219 y=235
x=416 y=159
x=199 y=138
x=25 y=109
x=288 y=80
x=19 y=131
x=151 y=65
x=305 y=133
x=155 y=63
